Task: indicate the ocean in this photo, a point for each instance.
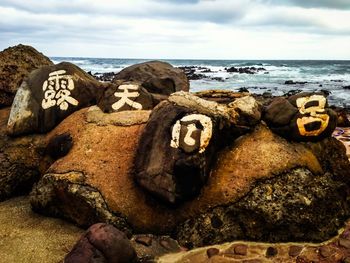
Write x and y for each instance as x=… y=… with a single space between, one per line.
x=332 y=76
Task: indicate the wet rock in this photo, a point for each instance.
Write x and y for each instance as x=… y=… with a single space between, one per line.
x=126 y=96
x=301 y=117
x=343 y=116
x=176 y=167
x=15 y=64
x=292 y=82
x=49 y=95
x=102 y=243
x=245 y=70
x=271 y=252
x=346 y=87
x=105 y=77
x=156 y=77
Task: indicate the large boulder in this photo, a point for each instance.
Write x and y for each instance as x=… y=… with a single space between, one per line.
x=15 y=64
x=21 y=160
x=301 y=117
x=50 y=94
x=260 y=184
x=157 y=77
x=176 y=167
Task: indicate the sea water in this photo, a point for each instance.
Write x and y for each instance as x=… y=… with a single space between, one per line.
x=329 y=75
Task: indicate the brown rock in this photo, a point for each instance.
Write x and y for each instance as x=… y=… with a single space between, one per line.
x=15 y=64
x=144 y=240
x=271 y=252
x=212 y=252
x=326 y=251
x=344 y=242
x=240 y=249
x=21 y=160
x=294 y=251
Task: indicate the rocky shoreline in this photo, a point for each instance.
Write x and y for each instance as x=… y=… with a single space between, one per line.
x=151 y=169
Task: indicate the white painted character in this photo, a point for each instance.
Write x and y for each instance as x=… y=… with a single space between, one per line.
x=205 y=134
x=125 y=97
x=57 y=91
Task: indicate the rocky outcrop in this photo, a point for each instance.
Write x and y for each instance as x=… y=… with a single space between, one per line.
x=94 y=182
x=15 y=64
x=301 y=117
x=27 y=237
x=49 y=95
x=21 y=160
x=156 y=77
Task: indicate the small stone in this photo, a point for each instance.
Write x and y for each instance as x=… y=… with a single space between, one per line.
x=271 y=252
x=294 y=251
x=144 y=240
x=165 y=244
x=240 y=250
x=326 y=251
x=344 y=242
x=212 y=252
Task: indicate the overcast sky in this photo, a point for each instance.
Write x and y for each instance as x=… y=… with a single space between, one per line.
x=198 y=29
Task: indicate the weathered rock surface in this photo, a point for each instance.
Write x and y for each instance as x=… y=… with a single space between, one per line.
x=156 y=77
x=301 y=117
x=126 y=96
x=26 y=237
x=102 y=243
x=176 y=167
x=15 y=64
x=49 y=95
x=21 y=161
x=335 y=250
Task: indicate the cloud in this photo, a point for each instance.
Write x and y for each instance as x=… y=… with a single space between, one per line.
x=331 y=4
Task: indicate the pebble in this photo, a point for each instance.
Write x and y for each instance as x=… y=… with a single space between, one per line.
x=240 y=250
x=271 y=252
x=294 y=251
x=212 y=252
x=144 y=240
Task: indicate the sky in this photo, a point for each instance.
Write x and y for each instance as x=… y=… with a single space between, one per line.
x=180 y=29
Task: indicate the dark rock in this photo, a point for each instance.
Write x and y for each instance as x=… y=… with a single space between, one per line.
x=144 y=240
x=243 y=89
x=156 y=77
x=240 y=250
x=59 y=146
x=212 y=252
x=301 y=117
x=292 y=82
x=271 y=252
x=126 y=96
x=49 y=95
x=292 y=92
x=21 y=160
x=346 y=87
x=105 y=77
x=343 y=119
x=15 y=64
x=294 y=251
x=245 y=70
x=102 y=243
x=192 y=131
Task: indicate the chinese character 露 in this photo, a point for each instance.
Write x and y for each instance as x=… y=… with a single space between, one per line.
x=57 y=90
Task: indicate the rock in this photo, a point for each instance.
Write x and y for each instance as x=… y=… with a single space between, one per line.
x=175 y=168
x=262 y=187
x=21 y=160
x=27 y=237
x=15 y=64
x=343 y=116
x=102 y=243
x=346 y=87
x=292 y=82
x=105 y=77
x=265 y=206
x=156 y=77
x=148 y=247
x=126 y=96
x=245 y=70
x=301 y=117
x=59 y=146
x=49 y=95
